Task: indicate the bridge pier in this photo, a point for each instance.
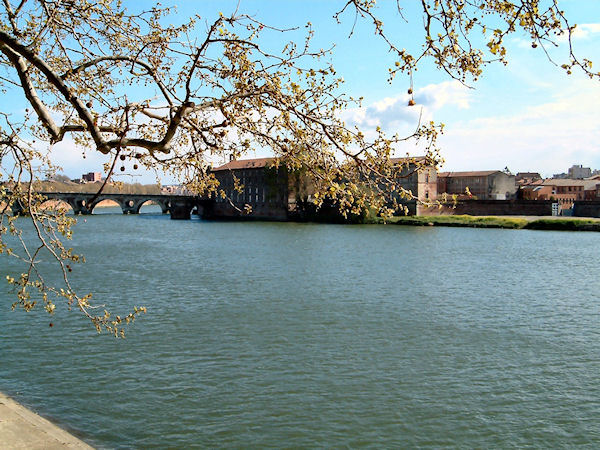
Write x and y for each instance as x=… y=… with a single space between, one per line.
x=128 y=208
x=180 y=207
x=17 y=208
x=81 y=212
x=79 y=205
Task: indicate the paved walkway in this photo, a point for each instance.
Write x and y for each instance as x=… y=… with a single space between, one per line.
x=23 y=429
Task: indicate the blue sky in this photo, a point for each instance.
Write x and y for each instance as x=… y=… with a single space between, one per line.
x=529 y=116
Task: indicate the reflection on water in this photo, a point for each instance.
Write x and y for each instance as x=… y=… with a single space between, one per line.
x=110 y=207
x=303 y=335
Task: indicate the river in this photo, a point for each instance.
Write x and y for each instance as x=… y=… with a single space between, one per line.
x=305 y=335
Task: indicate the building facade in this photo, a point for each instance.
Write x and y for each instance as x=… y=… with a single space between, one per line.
x=578 y=172
x=523 y=178
x=417 y=176
x=568 y=191
x=483 y=185
x=261 y=189
x=91 y=177
x=256 y=183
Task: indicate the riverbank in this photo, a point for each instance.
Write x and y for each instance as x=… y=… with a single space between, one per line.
x=510 y=222
x=22 y=428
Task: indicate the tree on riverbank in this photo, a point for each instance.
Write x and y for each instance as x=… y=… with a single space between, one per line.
x=174 y=97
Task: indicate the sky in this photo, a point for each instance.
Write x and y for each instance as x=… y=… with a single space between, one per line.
x=527 y=116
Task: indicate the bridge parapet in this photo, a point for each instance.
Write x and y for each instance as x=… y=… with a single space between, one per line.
x=178 y=206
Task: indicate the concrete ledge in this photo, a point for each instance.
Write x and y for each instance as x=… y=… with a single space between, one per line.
x=23 y=429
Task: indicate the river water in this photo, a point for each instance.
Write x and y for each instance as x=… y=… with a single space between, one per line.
x=305 y=335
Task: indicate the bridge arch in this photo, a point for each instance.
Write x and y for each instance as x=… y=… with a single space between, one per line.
x=97 y=207
x=131 y=204
x=122 y=203
x=13 y=210
x=78 y=203
x=55 y=204
x=179 y=206
x=151 y=205
x=165 y=204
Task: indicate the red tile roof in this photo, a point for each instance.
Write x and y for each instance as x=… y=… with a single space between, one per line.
x=478 y=173
x=238 y=164
x=587 y=184
x=405 y=159
x=528 y=175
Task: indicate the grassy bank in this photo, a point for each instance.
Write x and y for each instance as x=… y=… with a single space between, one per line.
x=566 y=224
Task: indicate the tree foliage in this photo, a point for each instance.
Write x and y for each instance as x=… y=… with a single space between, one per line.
x=174 y=97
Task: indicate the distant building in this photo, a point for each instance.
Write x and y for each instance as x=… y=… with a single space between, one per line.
x=418 y=177
x=484 y=184
x=527 y=177
x=592 y=192
x=578 y=172
x=564 y=191
x=536 y=191
x=91 y=177
x=174 y=189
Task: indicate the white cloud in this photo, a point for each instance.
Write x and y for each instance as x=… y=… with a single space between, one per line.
x=436 y=96
x=582 y=31
x=548 y=137
x=393 y=113
x=70 y=158
x=73 y=161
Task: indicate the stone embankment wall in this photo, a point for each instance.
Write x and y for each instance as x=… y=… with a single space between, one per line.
x=226 y=211
x=493 y=208
x=590 y=208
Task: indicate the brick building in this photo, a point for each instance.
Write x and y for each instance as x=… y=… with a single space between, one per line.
x=91 y=177
x=417 y=176
x=275 y=194
x=484 y=184
x=567 y=191
x=265 y=190
x=523 y=178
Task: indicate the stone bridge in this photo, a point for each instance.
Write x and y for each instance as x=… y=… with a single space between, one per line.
x=178 y=206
